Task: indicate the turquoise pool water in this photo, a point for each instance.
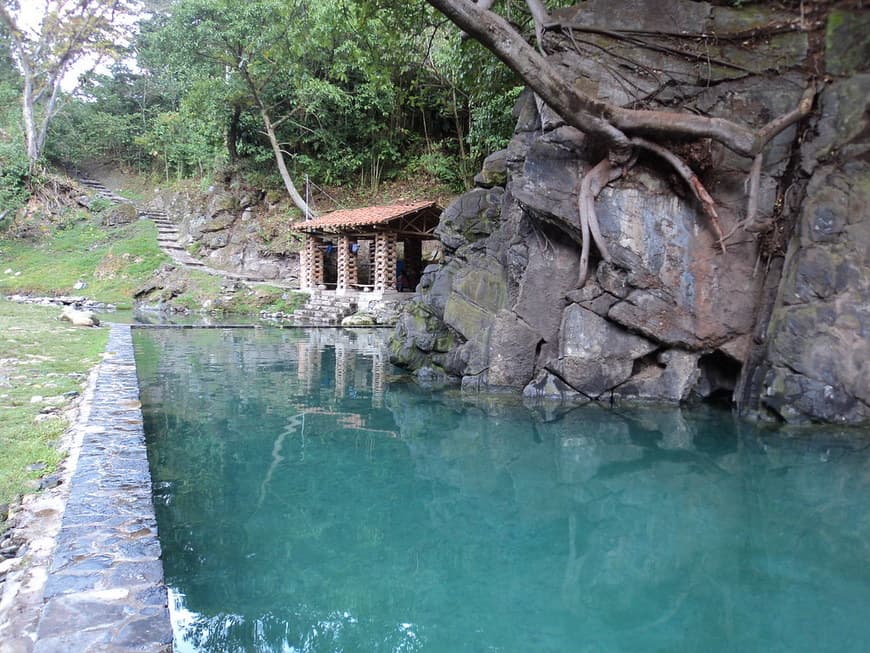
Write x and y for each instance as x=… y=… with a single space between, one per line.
x=308 y=500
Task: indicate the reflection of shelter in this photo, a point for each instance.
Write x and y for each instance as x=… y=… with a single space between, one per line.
x=346 y=345
x=364 y=247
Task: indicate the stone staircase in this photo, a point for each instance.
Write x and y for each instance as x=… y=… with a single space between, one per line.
x=167 y=238
x=102 y=191
x=325 y=310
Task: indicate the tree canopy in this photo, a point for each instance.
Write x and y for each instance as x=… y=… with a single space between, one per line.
x=67 y=32
x=343 y=91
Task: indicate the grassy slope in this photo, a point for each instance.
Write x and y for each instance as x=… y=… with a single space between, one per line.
x=39 y=357
x=43 y=357
x=111 y=261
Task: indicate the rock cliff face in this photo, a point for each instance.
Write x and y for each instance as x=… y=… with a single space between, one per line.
x=778 y=323
x=237 y=229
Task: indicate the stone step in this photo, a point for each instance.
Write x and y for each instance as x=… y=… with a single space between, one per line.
x=102 y=191
x=332 y=301
x=305 y=310
x=350 y=305
x=308 y=312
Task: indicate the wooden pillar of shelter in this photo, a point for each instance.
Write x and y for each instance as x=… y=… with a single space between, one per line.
x=385 y=261
x=371 y=262
x=311 y=273
x=347 y=274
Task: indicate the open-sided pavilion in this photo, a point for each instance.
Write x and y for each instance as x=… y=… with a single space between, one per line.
x=374 y=230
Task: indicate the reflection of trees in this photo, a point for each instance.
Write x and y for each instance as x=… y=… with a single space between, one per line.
x=289 y=506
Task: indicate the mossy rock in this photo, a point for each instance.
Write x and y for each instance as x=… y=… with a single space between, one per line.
x=359 y=320
x=847 y=42
x=123 y=213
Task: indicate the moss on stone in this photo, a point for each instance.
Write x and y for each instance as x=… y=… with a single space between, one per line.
x=847 y=42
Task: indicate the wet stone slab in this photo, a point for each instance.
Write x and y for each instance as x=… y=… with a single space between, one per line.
x=105 y=591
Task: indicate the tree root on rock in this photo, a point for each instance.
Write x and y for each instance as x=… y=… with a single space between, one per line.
x=592 y=184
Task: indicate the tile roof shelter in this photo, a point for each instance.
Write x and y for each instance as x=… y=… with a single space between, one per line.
x=378 y=227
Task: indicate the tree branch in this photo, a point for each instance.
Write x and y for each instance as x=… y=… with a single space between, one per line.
x=589 y=115
x=775 y=126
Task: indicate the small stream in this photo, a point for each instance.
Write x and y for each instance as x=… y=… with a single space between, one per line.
x=311 y=499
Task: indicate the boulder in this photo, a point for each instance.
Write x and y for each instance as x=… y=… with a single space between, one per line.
x=120 y=213
x=818 y=343
x=470 y=217
x=359 y=319
x=668 y=315
x=79 y=318
x=670 y=379
x=494 y=170
x=595 y=355
x=512 y=351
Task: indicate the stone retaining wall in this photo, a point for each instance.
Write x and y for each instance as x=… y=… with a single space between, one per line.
x=105 y=589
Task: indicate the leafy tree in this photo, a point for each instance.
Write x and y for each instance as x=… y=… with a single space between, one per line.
x=241 y=49
x=69 y=31
x=13 y=163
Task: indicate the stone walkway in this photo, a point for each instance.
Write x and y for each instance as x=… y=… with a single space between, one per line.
x=105 y=590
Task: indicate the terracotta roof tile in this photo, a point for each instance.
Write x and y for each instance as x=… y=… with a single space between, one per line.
x=369 y=215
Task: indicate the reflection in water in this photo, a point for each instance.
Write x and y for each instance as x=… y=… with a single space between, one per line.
x=305 y=503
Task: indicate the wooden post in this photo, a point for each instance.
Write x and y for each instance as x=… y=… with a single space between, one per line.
x=385 y=261
x=341 y=281
x=305 y=266
x=371 y=262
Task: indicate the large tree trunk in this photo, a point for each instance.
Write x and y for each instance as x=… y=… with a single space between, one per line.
x=301 y=204
x=233 y=134
x=30 y=140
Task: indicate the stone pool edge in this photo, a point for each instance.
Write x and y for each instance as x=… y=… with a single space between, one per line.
x=105 y=589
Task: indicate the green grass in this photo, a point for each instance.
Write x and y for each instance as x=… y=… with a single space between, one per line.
x=203 y=287
x=112 y=261
x=40 y=356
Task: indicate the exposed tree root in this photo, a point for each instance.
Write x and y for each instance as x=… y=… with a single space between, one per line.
x=698 y=190
x=592 y=184
x=620 y=128
x=754 y=188
x=775 y=126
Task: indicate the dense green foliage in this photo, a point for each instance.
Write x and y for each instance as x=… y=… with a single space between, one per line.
x=13 y=158
x=358 y=91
